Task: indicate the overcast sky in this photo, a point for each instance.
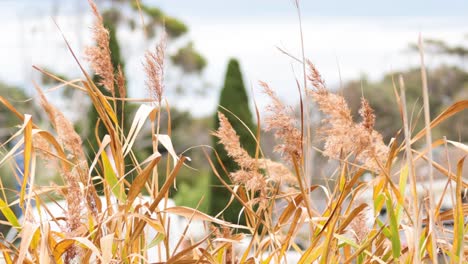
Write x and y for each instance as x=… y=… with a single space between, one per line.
x=346 y=39
x=242 y=8
x=320 y=8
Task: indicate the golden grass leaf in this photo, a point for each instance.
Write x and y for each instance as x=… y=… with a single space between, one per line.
x=459 y=216
x=83 y=242
x=140 y=181
x=311 y=254
x=353 y=215
x=197 y=215
x=105 y=141
x=290 y=234
x=232 y=239
x=447 y=113
x=11 y=108
x=293 y=205
x=27 y=155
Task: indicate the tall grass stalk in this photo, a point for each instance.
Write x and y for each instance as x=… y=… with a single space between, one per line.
x=412 y=176
x=427 y=121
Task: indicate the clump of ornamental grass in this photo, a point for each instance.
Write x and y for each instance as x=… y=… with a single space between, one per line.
x=283 y=224
x=117 y=226
x=351 y=228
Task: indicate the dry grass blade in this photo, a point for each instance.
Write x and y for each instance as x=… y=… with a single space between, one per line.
x=355 y=219
x=197 y=215
x=139 y=226
x=453 y=109
x=459 y=217
x=290 y=234
x=27 y=156
x=66 y=244
x=11 y=108
x=410 y=166
x=444 y=171
x=141 y=115
x=448 y=215
x=364 y=246
x=140 y=181
x=427 y=121
x=6 y=254
x=293 y=205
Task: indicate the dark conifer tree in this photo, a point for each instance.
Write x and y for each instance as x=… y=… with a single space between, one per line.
x=233 y=98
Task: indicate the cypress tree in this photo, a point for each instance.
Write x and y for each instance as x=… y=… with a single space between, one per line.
x=234 y=98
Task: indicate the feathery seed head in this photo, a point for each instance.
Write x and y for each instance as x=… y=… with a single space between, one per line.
x=367 y=114
x=342 y=135
x=228 y=137
x=315 y=77
x=121 y=82
x=154 y=68
x=248 y=174
x=284 y=125
x=100 y=56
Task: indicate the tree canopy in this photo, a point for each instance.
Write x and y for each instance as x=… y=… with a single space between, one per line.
x=446 y=84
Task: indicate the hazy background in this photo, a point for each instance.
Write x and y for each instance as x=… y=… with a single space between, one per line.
x=346 y=40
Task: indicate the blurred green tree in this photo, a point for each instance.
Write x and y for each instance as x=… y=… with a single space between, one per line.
x=446 y=84
x=443 y=48
x=233 y=98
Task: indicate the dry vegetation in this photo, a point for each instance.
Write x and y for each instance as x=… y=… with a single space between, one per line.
x=282 y=220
